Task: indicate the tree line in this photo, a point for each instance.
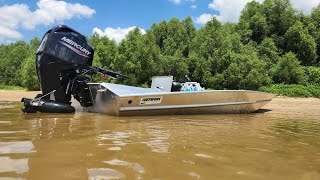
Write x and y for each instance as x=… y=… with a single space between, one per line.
x=271 y=44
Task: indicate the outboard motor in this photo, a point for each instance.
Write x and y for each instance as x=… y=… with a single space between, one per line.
x=62 y=59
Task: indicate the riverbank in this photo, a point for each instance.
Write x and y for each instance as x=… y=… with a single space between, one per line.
x=17 y=95
x=279 y=105
x=294 y=106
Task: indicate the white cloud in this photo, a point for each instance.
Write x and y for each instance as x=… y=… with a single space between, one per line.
x=305 y=6
x=7 y=33
x=203 y=18
x=51 y=11
x=48 y=12
x=175 y=1
x=193 y=6
x=116 y=34
x=230 y=10
x=179 y=1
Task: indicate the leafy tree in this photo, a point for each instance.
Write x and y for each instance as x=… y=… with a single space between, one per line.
x=315 y=19
x=175 y=66
x=160 y=32
x=34 y=44
x=174 y=37
x=214 y=42
x=190 y=33
x=315 y=16
x=268 y=52
x=11 y=62
x=208 y=39
x=29 y=74
x=128 y=58
x=139 y=57
x=246 y=70
x=288 y=70
x=300 y=42
x=150 y=58
x=94 y=39
x=199 y=68
x=313 y=75
x=280 y=16
x=106 y=52
x=169 y=47
x=253 y=23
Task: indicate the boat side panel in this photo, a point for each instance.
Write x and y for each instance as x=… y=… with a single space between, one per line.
x=227 y=109
x=205 y=102
x=195 y=98
x=193 y=103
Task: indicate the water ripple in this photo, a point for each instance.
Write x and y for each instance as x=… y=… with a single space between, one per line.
x=104 y=173
x=16 y=147
x=135 y=166
x=13 y=165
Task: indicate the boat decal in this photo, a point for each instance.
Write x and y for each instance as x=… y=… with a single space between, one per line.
x=150 y=100
x=77 y=48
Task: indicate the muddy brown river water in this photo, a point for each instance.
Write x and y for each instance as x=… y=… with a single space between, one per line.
x=94 y=146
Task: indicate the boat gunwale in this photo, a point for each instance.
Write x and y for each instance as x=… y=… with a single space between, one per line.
x=177 y=92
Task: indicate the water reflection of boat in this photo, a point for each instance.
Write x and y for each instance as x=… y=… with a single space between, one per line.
x=115 y=99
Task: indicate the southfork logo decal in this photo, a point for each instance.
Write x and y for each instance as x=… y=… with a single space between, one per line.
x=150 y=100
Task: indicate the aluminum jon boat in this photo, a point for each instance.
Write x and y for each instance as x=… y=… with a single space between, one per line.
x=122 y=100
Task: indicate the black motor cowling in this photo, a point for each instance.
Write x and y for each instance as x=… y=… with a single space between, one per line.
x=60 y=59
x=61 y=53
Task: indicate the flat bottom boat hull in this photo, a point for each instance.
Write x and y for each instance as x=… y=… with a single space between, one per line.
x=123 y=100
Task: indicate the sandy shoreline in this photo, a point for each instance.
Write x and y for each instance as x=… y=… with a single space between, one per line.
x=16 y=95
x=279 y=105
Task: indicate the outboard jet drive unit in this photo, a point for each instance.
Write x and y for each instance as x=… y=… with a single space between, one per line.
x=62 y=59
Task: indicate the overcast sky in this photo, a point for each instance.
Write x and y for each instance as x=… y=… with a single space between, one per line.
x=25 y=19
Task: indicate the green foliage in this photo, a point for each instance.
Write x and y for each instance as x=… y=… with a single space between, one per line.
x=268 y=52
x=300 y=42
x=105 y=52
x=175 y=66
x=17 y=64
x=280 y=16
x=313 y=74
x=174 y=37
x=270 y=19
x=288 y=70
x=315 y=16
x=29 y=74
x=198 y=68
x=315 y=19
x=246 y=71
x=293 y=90
x=11 y=59
x=6 y=87
x=253 y=23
